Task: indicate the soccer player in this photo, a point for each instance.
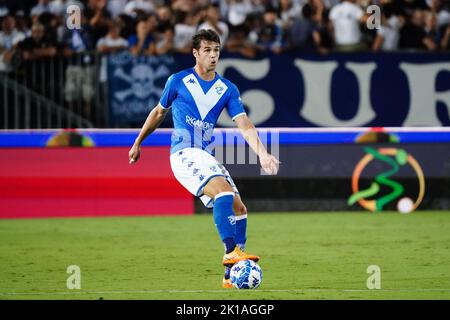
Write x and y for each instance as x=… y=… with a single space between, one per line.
x=197 y=97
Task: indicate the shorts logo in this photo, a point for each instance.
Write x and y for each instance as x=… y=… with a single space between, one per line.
x=201 y=177
x=195 y=171
x=384 y=164
x=213 y=168
x=232 y=220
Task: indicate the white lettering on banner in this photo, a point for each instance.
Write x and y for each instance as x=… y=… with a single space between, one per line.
x=363 y=72
x=317 y=85
x=317 y=107
x=423 y=95
x=260 y=104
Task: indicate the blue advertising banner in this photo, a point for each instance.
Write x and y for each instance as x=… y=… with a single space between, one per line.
x=161 y=137
x=135 y=84
x=341 y=90
x=338 y=90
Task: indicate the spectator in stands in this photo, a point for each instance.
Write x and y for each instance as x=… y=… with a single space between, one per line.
x=9 y=39
x=186 y=5
x=23 y=24
x=239 y=42
x=288 y=11
x=116 y=7
x=270 y=35
x=304 y=35
x=346 y=19
x=442 y=12
x=58 y=7
x=46 y=12
x=407 y=6
x=237 y=35
x=238 y=11
x=431 y=28
x=413 y=35
x=388 y=35
x=143 y=42
x=212 y=22
x=184 y=29
x=445 y=43
x=78 y=41
x=79 y=3
x=50 y=23
x=164 y=31
x=37 y=46
x=99 y=18
x=79 y=85
x=324 y=26
x=127 y=25
x=134 y=6
x=43 y=6
x=5 y=8
x=111 y=43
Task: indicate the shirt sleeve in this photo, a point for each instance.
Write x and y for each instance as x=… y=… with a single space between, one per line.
x=235 y=107
x=333 y=14
x=101 y=42
x=358 y=12
x=169 y=93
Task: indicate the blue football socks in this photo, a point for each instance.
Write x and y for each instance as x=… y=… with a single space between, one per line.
x=241 y=231
x=224 y=219
x=240 y=238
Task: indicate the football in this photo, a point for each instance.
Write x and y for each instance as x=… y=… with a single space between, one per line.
x=246 y=274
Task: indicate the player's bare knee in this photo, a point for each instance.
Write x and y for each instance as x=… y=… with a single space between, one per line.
x=240 y=211
x=216 y=186
x=239 y=208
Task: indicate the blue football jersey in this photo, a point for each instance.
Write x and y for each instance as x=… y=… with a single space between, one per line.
x=196 y=106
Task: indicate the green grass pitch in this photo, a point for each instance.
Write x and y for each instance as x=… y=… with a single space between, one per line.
x=303 y=256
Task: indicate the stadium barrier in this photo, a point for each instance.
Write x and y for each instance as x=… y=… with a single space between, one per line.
x=65 y=173
x=58 y=92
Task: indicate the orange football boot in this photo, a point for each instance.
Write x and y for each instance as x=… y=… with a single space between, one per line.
x=229 y=259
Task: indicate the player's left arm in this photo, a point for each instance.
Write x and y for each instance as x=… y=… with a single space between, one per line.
x=269 y=163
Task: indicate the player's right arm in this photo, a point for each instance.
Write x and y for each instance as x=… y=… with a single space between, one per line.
x=155 y=118
x=153 y=121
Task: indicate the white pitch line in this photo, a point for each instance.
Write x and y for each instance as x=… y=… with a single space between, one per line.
x=218 y=291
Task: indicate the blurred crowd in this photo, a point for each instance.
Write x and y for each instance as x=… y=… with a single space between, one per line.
x=36 y=29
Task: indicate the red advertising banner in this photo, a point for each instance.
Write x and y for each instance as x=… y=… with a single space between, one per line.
x=77 y=181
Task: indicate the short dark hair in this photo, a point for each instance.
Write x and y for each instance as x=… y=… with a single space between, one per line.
x=206 y=35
